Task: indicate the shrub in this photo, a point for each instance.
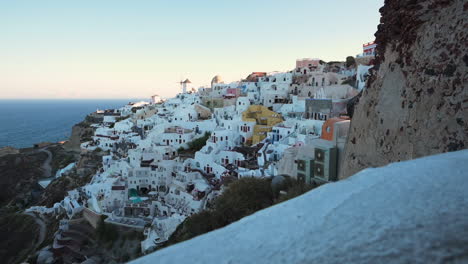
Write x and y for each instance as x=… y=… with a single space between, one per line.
x=97 y=150
x=350 y=81
x=350 y=61
x=241 y=198
x=197 y=224
x=126 y=257
x=293 y=189
x=67 y=160
x=244 y=197
x=199 y=143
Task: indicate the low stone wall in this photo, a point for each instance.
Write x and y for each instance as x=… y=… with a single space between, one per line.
x=92 y=217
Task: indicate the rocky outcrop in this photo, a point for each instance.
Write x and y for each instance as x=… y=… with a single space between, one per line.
x=73 y=144
x=81 y=132
x=8 y=150
x=416 y=102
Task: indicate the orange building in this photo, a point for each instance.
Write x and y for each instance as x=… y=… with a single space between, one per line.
x=328 y=128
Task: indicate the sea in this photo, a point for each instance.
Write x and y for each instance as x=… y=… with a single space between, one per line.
x=26 y=122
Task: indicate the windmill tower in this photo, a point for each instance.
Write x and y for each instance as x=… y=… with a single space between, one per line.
x=184 y=85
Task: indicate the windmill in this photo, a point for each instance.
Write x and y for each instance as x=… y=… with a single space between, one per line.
x=184 y=84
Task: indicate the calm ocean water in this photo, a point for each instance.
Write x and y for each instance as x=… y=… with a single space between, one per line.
x=25 y=122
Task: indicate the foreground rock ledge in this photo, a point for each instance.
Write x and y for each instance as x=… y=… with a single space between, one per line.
x=408 y=212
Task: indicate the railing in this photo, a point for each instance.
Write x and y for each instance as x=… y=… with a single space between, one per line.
x=362 y=55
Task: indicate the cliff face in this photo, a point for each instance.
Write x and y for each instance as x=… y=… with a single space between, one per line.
x=19 y=174
x=416 y=102
x=81 y=132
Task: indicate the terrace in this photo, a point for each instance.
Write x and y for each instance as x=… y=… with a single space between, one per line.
x=178 y=130
x=136 y=223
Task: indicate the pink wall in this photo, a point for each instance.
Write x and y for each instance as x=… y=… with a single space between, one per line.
x=235 y=91
x=304 y=63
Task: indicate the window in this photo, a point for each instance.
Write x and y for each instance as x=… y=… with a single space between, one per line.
x=301 y=177
x=301 y=165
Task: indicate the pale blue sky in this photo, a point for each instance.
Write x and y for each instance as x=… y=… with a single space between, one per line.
x=122 y=49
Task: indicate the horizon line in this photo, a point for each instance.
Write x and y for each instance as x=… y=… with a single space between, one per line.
x=70 y=98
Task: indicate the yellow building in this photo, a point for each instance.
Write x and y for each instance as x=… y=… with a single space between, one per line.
x=264 y=119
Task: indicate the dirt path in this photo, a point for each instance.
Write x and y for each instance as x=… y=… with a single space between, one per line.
x=42 y=228
x=46 y=165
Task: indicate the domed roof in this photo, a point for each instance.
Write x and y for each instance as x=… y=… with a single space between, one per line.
x=217 y=79
x=253 y=77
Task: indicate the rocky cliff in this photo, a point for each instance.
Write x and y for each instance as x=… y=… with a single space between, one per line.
x=416 y=102
x=19 y=174
x=81 y=132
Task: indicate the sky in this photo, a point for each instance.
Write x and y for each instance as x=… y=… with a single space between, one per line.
x=134 y=49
